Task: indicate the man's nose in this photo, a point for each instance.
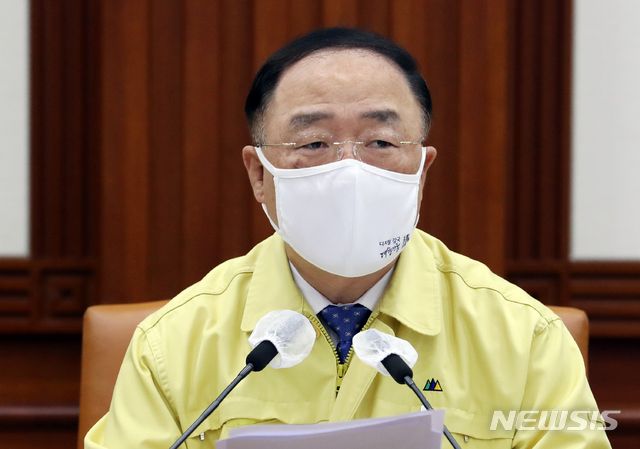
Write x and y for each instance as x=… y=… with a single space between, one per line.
x=349 y=149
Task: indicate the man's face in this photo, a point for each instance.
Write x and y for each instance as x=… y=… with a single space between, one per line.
x=342 y=93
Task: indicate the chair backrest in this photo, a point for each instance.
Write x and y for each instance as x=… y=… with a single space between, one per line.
x=106 y=332
x=108 y=329
x=577 y=323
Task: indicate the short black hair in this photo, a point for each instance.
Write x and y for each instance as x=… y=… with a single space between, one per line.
x=266 y=80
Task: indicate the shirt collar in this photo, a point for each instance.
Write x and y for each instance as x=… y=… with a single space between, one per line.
x=317 y=300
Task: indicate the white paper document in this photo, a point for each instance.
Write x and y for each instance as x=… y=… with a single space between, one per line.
x=418 y=430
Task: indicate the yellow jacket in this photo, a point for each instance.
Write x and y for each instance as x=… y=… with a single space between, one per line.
x=486 y=345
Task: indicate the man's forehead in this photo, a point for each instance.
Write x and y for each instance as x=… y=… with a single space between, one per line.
x=313 y=89
x=332 y=61
x=340 y=54
x=303 y=120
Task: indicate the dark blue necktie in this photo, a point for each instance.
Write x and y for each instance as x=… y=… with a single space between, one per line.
x=346 y=320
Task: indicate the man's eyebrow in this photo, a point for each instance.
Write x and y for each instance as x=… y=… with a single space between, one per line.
x=301 y=121
x=383 y=116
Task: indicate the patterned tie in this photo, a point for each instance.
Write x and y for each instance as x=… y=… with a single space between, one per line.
x=346 y=320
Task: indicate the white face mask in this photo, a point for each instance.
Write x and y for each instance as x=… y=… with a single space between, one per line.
x=347 y=218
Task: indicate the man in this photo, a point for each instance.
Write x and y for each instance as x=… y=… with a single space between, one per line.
x=338 y=118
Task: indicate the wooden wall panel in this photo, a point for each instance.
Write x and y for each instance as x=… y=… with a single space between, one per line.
x=483 y=131
x=537 y=244
x=375 y=15
x=165 y=145
x=124 y=173
x=414 y=25
x=50 y=437
x=39 y=391
x=49 y=290
x=202 y=81
x=236 y=224
x=138 y=187
x=60 y=85
x=540 y=126
x=340 y=13
x=268 y=38
x=43 y=296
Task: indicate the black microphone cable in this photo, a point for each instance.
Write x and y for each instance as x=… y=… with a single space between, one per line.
x=401 y=373
x=256 y=360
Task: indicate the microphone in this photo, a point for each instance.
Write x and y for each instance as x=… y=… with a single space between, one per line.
x=392 y=356
x=291 y=333
x=281 y=339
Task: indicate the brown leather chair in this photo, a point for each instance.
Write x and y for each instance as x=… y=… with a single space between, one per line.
x=106 y=332
x=108 y=329
x=578 y=324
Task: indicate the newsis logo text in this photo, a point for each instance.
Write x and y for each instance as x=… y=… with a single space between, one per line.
x=554 y=420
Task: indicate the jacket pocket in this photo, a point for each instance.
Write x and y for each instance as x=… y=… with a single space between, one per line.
x=242 y=411
x=474 y=431
x=206 y=438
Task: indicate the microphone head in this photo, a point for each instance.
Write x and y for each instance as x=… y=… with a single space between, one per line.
x=290 y=332
x=261 y=355
x=372 y=347
x=397 y=368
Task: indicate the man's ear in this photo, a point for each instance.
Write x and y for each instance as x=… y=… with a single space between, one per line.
x=255 y=171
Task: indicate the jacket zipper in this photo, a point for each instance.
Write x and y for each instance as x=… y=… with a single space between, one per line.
x=340 y=367
x=366 y=326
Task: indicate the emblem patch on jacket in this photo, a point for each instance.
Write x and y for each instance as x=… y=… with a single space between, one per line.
x=432 y=385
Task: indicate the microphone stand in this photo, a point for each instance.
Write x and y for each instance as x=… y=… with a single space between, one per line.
x=409 y=381
x=256 y=361
x=402 y=374
x=214 y=405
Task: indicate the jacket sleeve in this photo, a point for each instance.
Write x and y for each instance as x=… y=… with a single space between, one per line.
x=557 y=381
x=141 y=414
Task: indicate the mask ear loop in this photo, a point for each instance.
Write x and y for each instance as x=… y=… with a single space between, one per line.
x=420 y=170
x=270 y=168
x=275 y=226
x=264 y=161
x=422 y=159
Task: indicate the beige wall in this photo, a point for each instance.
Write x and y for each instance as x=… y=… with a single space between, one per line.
x=606 y=131
x=14 y=128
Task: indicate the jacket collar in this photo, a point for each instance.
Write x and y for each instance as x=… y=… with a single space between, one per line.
x=412 y=296
x=272 y=286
